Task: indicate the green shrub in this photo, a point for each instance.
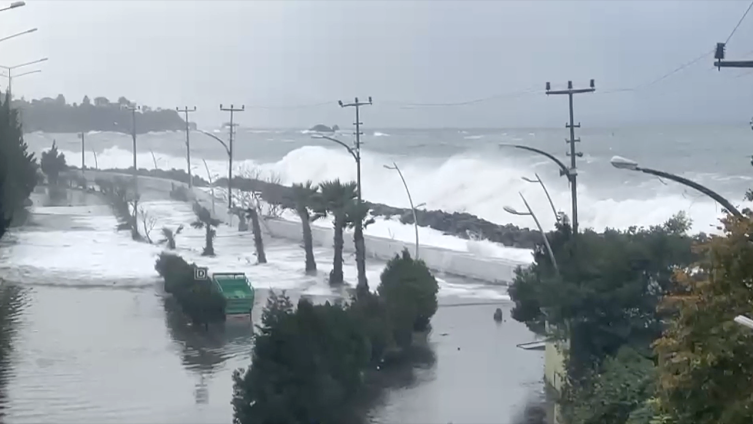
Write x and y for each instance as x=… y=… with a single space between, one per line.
x=198 y=299
x=409 y=291
x=306 y=368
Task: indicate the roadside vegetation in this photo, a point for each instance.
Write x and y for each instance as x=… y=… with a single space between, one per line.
x=314 y=363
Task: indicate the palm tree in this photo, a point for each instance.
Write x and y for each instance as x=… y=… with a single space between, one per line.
x=204 y=220
x=168 y=236
x=304 y=198
x=358 y=218
x=252 y=212
x=336 y=198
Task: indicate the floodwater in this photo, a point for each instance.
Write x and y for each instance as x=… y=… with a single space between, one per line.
x=96 y=341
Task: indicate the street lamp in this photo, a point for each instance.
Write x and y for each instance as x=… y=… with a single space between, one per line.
x=538 y=180
x=28 y=31
x=570 y=173
x=14 y=5
x=10 y=69
x=355 y=152
x=410 y=199
x=536 y=220
x=631 y=165
x=230 y=162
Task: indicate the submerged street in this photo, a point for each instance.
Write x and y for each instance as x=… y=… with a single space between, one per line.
x=95 y=340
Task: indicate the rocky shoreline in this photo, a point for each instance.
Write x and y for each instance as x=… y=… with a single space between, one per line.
x=462 y=225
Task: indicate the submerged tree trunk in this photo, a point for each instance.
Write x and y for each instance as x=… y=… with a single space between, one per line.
x=258 y=241
x=336 y=276
x=208 y=242
x=308 y=241
x=358 y=240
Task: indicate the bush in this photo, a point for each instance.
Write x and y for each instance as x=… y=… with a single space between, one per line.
x=197 y=298
x=410 y=293
x=179 y=193
x=306 y=368
x=311 y=364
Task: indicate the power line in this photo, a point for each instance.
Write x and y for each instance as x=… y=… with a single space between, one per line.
x=663 y=77
x=739 y=22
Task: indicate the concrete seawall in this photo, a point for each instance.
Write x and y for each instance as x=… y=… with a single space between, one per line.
x=496 y=270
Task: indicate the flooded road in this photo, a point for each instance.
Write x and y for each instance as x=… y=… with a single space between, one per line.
x=96 y=341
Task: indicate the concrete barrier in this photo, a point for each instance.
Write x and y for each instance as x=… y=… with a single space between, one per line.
x=496 y=270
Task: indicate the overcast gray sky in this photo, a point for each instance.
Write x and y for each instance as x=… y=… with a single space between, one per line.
x=203 y=53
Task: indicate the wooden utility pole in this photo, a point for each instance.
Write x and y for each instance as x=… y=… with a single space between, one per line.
x=133 y=108
x=572 y=173
x=232 y=109
x=186 y=111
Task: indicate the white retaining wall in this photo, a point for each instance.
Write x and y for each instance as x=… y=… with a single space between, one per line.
x=438 y=259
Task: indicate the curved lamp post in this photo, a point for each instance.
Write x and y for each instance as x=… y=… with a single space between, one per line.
x=538 y=180
x=631 y=165
x=410 y=199
x=543 y=234
x=571 y=175
x=14 y=5
x=230 y=159
x=355 y=152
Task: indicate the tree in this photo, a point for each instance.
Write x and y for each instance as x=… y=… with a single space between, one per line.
x=335 y=198
x=304 y=198
x=148 y=222
x=101 y=101
x=60 y=100
x=53 y=163
x=204 y=220
x=19 y=167
x=252 y=212
x=86 y=101
x=410 y=293
x=122 y=101
x=168 y=236
x=617 y=394
x=705 y=362
x=607 y=291
x=358 y=218
x=306 y=368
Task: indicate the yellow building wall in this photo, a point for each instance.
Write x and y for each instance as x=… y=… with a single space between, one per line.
x=554 y=370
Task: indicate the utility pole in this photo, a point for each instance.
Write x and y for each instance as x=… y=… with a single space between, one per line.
x=83 y=150
x=232 y=109
x=363 y=284
x=133 y=108
x=186 y=111
x=572 y=173
x=357 y=105
x=721 y=63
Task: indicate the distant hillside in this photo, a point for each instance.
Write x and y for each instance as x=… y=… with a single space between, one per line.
x=56 y=116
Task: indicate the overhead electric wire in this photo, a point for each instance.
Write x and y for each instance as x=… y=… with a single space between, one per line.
x=739 y=22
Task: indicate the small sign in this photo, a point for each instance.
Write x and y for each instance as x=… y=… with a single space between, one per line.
x=200 y=273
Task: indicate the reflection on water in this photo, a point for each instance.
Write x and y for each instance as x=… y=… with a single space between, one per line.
x=11 y=304
x=204 y=351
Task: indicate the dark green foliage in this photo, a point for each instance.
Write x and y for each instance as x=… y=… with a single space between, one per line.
x=18 y=167
x=55 y=116
x=53 y=163
x=304 y=198
x=205 y=220
x=336 y=198
x=306 y=368
x=617 y=393
x=314 y=363
x=410 y=293
x=608 y=291
x=198 y=299
x=358 y=218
